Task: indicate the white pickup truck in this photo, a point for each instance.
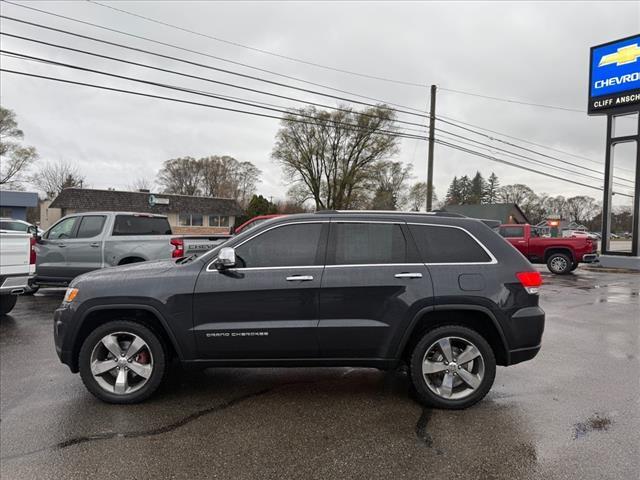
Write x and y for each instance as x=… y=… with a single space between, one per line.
x=17 y=264
x=81 y=242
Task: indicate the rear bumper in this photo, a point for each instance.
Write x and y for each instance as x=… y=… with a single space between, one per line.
x=527 y=325
x=590 y=258
x=13 y=284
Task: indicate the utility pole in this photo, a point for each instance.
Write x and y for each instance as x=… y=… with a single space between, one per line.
x=432 y=120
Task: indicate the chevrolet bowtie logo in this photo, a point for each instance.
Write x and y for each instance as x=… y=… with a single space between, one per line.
x=624 y=55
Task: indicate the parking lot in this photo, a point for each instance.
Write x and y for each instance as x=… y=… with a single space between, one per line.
x=572 y=412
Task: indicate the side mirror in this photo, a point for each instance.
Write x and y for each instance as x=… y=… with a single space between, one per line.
x=32 y=230
x=226 y=258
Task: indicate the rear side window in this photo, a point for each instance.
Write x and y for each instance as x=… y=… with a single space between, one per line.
x=447 y=245
x=367 y=243
x=512 y=232
x=286 y=246
x=14 y=226
x=90 y=226
x=139 y=225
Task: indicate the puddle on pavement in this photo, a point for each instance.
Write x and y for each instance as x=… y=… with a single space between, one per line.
x=595 y=423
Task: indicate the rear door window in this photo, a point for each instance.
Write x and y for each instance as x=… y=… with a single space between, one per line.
x=438 y=244
x=14 y=226
x=141 y=225
x=90 y=226
x=367 y=243
x=512 y=232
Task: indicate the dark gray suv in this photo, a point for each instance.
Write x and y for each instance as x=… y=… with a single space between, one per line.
x=445 y=295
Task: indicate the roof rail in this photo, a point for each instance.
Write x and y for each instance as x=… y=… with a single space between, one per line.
x=435 y=213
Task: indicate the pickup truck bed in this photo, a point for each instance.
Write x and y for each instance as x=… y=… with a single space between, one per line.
x=15 y=267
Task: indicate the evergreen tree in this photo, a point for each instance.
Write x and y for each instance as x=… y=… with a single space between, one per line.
x=464 y=184
x=491 y=189
x=453 y=194
x=478 y=187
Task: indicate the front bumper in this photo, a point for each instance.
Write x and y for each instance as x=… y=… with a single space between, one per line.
x=61 y=320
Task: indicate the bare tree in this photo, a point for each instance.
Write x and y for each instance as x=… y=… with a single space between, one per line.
x=226 y=177
x=389 y=184
x=182 y=176
x=417 y=197
x=140 y=183
x=54 y=177
x=332 y=156
x=582 y=208
x=14 y=158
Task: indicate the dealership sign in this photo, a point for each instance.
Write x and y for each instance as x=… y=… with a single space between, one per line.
x=614 y=75
x=153 y=201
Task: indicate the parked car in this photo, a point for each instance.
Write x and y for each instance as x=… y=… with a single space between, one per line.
x=11 y=224
x=254 y=222
x=17 y=264
x=562 y=255
x=83 y=242
x=446 y=295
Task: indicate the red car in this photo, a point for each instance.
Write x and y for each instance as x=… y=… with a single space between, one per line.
x=562 y=255
x=254 y=222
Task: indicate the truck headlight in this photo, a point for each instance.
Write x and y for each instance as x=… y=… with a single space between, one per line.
x=70 y=295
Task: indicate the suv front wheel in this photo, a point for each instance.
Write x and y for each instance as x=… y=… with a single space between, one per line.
x=122 y=362
x=452 y=367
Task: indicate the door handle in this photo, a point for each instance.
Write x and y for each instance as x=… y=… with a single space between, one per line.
x=61 y=245
x=408 y=275
x=521 y=241
x=95 y=244
x=300 y=278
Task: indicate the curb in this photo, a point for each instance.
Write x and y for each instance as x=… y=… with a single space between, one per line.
x=611 y=270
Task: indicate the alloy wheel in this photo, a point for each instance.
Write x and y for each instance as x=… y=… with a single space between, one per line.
x=453 y=368
x=121 y=363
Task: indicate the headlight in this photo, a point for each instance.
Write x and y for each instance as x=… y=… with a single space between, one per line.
x=70 y=295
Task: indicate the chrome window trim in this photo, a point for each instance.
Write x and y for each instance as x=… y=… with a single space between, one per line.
x=493 y=260
x=352 y=265
x=210 y=269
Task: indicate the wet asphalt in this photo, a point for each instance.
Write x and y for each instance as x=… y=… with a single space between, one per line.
x=571 y=413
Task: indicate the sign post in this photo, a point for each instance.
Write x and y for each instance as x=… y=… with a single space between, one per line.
x=614 y=91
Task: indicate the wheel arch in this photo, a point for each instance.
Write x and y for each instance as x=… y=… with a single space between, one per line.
x=476 y=317
x=551 y=250
x=131 y=259
x=145 y=314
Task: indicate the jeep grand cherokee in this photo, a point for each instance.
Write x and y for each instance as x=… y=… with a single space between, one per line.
x=445 y=295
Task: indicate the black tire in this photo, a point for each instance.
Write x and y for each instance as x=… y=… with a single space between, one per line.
x=419 y=380
x=559 y=263
x=7 y=302
x=574 y=266
x=156 y=348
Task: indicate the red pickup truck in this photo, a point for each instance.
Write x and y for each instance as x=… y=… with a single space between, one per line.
x=562 y=255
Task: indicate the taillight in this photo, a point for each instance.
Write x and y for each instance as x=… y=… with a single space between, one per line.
x=531 y=281
x=32 y=255
x=178 y=248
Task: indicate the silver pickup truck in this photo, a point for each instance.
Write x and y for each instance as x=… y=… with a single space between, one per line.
x=83 y=242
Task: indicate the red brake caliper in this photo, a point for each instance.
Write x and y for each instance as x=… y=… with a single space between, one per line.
x=142 y=357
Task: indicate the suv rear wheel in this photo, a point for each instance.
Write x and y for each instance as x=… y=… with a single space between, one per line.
x=452 y=367
x=122 y=362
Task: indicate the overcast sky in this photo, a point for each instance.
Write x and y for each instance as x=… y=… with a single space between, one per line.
x=534 y=52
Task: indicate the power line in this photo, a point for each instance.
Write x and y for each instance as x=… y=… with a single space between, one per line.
x=197 y=77
x=528 y=149
x=525 y=140
x=507 y=100
x=217 y=107
x=259 y=50
x=182 y=89
x=490 y=157
x=159 y=97
x=230 y=72
x=202 y=54
x=518 y=157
